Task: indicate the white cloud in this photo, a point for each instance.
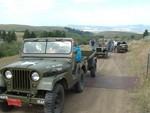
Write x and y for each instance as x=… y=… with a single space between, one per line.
x=122 y=16
x=24 y=11
x=26 y=6
x=88 y=1
x=48 y=12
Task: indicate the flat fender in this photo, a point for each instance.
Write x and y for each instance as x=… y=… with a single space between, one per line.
x=2 y=82
x=47 y=83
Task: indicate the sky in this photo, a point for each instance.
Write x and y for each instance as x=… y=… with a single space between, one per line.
x=75 y=12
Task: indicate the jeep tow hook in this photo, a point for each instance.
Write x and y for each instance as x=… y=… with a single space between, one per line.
x=29 y=97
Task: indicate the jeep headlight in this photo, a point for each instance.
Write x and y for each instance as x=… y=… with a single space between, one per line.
x=35 y=76
x=8 y=74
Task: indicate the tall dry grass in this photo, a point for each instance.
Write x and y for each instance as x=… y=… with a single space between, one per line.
x=137 y=58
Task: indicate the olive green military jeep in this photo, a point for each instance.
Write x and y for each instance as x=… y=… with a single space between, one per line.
x=122 y=47
x=47 y=68
x=102 y=49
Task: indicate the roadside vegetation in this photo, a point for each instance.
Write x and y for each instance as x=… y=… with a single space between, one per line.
x=138 y=57
x=11 y=36
x=9 y=49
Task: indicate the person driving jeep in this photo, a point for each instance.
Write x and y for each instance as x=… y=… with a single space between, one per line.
x=78 y=56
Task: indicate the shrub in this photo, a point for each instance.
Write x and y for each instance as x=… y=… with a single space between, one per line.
x=9 y=49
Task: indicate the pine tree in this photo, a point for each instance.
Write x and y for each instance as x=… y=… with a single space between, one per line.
x=145 y=33
x=26 y=34
x=14 y=37
x=32 y=35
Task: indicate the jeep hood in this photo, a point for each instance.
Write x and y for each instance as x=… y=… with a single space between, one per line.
x=40 y=65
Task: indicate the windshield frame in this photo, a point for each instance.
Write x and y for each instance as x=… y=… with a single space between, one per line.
x=37 y=44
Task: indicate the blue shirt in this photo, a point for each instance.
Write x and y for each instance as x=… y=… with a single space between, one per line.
x=79 y=54
x=92 y=42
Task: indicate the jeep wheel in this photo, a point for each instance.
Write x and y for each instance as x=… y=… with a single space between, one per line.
x=118 y=50
x=106 y=55
x=54 y=100
x=79 y=86
x=93 y=71
x=97 y=56
x=3 y=104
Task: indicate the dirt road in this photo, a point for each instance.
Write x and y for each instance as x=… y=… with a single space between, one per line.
x=106 y=93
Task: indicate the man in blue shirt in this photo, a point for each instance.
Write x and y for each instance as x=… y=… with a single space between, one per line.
x=79 y=54
x=92 y=43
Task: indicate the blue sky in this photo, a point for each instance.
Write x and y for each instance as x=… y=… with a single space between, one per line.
x=77 y=12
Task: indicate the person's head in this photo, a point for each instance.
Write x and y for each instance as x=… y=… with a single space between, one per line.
x=75 y=43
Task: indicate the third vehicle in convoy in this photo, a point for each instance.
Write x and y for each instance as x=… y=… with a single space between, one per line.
x=122 y=47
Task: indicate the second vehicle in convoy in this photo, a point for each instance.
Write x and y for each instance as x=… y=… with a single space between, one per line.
x=102 y=49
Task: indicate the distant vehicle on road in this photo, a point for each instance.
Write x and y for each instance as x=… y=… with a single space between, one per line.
x=102 y=49
x=122 y=47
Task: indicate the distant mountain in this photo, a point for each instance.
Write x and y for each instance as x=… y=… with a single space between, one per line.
x=127 y=28
x=16 y=27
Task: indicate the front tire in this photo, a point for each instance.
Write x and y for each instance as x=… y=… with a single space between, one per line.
x=106 y=55
x=3 y=103
x=54 y=100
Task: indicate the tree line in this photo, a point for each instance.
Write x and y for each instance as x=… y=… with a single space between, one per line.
x=8 y=37
x=54 y=33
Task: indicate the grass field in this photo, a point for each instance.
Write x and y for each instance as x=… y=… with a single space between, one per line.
x=137 y=58
x=7 y=60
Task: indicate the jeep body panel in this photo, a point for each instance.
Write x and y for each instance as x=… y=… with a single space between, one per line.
x=2 y=82
x=52 y=70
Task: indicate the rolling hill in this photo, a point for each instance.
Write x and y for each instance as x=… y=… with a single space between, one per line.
x=14 y=27
x=109 y=32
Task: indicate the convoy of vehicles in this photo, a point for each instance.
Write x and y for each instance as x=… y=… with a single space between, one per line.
x=47 y=68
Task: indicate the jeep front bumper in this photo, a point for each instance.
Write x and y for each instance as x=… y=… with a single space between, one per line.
x=19 y=100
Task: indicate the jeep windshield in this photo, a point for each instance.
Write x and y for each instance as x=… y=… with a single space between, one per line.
x=47 y=47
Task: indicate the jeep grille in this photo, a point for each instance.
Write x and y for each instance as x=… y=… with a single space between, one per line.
x=98 y=49
x=21 y=80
